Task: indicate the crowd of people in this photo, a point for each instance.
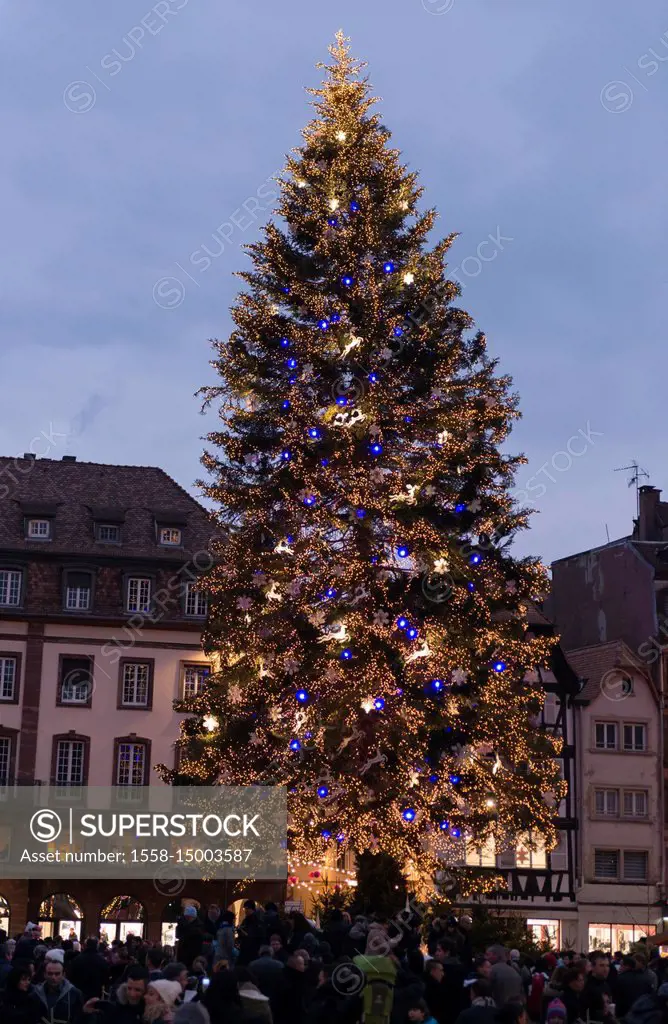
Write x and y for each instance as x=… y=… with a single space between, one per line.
x=272 y=968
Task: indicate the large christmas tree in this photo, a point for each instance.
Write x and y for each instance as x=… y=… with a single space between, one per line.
x=367 y=621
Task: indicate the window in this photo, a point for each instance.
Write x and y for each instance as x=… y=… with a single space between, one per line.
x=482 y=856
x=635 y=736
x=635 y=803
x=76 y=681
x=194 y=679
x=546 y=930
x=8 y=677
x=635 y=865
x=606 y=735
x=550 y=709
x=107 y=533
x=69 y=769
x=131 y=763
x=5 y=760
x=39 y=529
x=78 y=590
x=10 y=587
x=196 y=601
x=525 y=857
x=606 y=801
x=170 y=536
x=617 y=936
x=139 y=594
x=606 y=864
x=135 y=684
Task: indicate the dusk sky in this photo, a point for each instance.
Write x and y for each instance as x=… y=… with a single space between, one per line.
x=132 y=132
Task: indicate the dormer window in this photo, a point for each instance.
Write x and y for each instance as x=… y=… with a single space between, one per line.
x=38 y=529
x=170 y=536
x=108 y=533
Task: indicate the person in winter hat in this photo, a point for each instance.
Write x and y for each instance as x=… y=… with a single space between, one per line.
x=556 y=1012
x=159 y=1001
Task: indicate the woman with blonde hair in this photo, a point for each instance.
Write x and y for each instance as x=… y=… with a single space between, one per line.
x=159 y=1001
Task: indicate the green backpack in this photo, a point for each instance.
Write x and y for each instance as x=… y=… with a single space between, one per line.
x=378 y=994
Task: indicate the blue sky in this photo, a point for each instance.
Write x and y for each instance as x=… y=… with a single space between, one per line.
x=132 y=131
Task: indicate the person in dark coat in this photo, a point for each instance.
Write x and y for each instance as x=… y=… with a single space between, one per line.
x=61 y=1001
x=326 y=1005
x=25 y=947
x=409 y=988
x=336 y=933
x=632 y=983
x=189 y=936
x=267 y=972
x=5 y=964
x=290 y=1004
x=222 y=998
x=89 y=972
x=571 y=993
x=435 y=992
x=453 y=979
x=598 y=982
x=251 y=937
x=482 y=1009
x=18 y=1002
x=213 y=921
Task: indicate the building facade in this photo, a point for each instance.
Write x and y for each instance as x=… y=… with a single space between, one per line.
x=619 y=778
x=614 y=598
x=100 y=631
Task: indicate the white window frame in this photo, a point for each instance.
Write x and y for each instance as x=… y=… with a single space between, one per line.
x=39 y=529
x=77 y=599
x=171 y=536
x=636 y=797
x=130 y=748
x=116 y=539
x=8 y=678
x=71 y=751
x=139 y=594
x=5 y=759
x=196 y=603
x=189 y=688
x=606 y=725
x=607 y=878
x=83 y=689
x=11 y=585
x=609 y=802
x=133 y=684
x=632 y=878
x=633 y=749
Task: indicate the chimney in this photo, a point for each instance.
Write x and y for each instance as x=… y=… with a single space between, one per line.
x=69 y=458
x=649 y=527
x=29 y=455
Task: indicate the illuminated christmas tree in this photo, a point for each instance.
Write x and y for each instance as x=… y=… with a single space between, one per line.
x=367 y=621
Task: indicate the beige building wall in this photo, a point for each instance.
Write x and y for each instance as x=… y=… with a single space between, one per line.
x=621 y=830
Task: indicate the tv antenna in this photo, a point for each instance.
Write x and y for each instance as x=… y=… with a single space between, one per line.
x=637 y=474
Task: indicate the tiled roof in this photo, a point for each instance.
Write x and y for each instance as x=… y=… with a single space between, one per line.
x=593 y=663
x=78 y=492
